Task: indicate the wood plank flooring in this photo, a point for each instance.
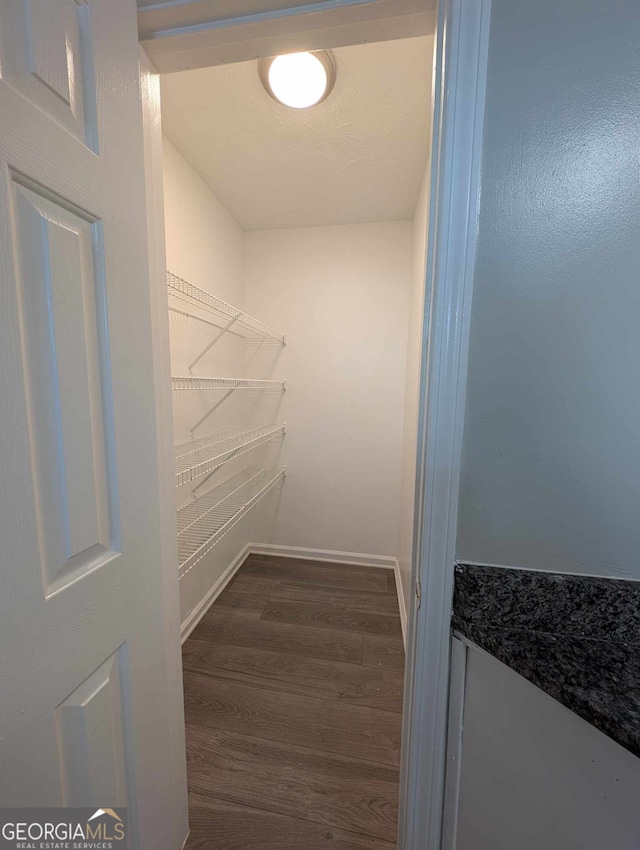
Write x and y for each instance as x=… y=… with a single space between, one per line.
x=293 y=704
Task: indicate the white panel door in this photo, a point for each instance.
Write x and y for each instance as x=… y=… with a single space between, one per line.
x=89 y=628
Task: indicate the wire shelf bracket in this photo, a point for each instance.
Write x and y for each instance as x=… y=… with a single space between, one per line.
x=205 y=521
x=204 y=457
x=218 y=336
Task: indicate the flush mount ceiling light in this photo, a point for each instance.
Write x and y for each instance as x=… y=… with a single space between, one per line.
x=299 y=80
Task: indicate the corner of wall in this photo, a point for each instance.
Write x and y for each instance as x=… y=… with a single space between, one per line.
x=412 y=388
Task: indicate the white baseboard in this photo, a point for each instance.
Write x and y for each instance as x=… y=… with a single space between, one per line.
x=210 y=597
x=330 y=556
x=401 y=605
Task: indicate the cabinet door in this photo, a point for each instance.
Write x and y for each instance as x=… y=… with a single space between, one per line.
x=534 y=775
x=88 y=632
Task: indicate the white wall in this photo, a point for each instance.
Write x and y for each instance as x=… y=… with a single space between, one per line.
x=204 y=241
x=551 y=466
x=341 y=295
x=412 y=386
x=205 y=246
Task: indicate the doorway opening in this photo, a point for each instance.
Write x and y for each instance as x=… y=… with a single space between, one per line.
x=295 y=253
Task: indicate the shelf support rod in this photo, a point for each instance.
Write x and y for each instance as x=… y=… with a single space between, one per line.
x=259 y=441
x=200 y=319
x=212 y=343
x=204 y=481
x=215 y=407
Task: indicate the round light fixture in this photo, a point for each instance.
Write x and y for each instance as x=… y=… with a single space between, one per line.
x=299 y=80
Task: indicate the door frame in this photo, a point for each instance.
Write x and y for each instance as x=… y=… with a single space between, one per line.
x=459 y=85
x=184 y=34
x=458 y=93
x=154 y=196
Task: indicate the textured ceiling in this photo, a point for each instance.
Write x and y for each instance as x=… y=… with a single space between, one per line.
x=359 y=156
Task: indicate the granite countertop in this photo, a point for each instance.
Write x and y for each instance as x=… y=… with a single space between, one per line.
x=577 y=638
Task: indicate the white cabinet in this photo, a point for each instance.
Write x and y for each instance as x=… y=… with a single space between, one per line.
x=528 y=773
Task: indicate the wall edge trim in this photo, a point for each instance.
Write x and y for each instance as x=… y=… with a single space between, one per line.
x=401 y=603
x=462 y=47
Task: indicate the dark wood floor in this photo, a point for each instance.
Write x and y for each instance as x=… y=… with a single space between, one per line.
x=293 y=699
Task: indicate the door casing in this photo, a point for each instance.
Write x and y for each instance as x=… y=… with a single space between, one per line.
x=459 y=82
x=179 y=35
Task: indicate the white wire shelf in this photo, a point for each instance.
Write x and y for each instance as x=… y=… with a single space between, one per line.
x=198 y=302
x=227 y=385
x=190 y=383
x=204 y=522
x=204 y=456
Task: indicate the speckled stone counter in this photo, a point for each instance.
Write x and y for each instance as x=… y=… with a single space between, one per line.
x=577 y=638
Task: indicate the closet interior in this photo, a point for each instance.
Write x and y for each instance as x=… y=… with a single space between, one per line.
x=295 y=244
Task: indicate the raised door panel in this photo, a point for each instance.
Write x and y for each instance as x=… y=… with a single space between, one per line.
x=93 y=723
x=60 y=280
x=79 y=750
x=46 y=54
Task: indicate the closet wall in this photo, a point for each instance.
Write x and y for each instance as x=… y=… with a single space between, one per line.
x=205 y=246
x=341 y=294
